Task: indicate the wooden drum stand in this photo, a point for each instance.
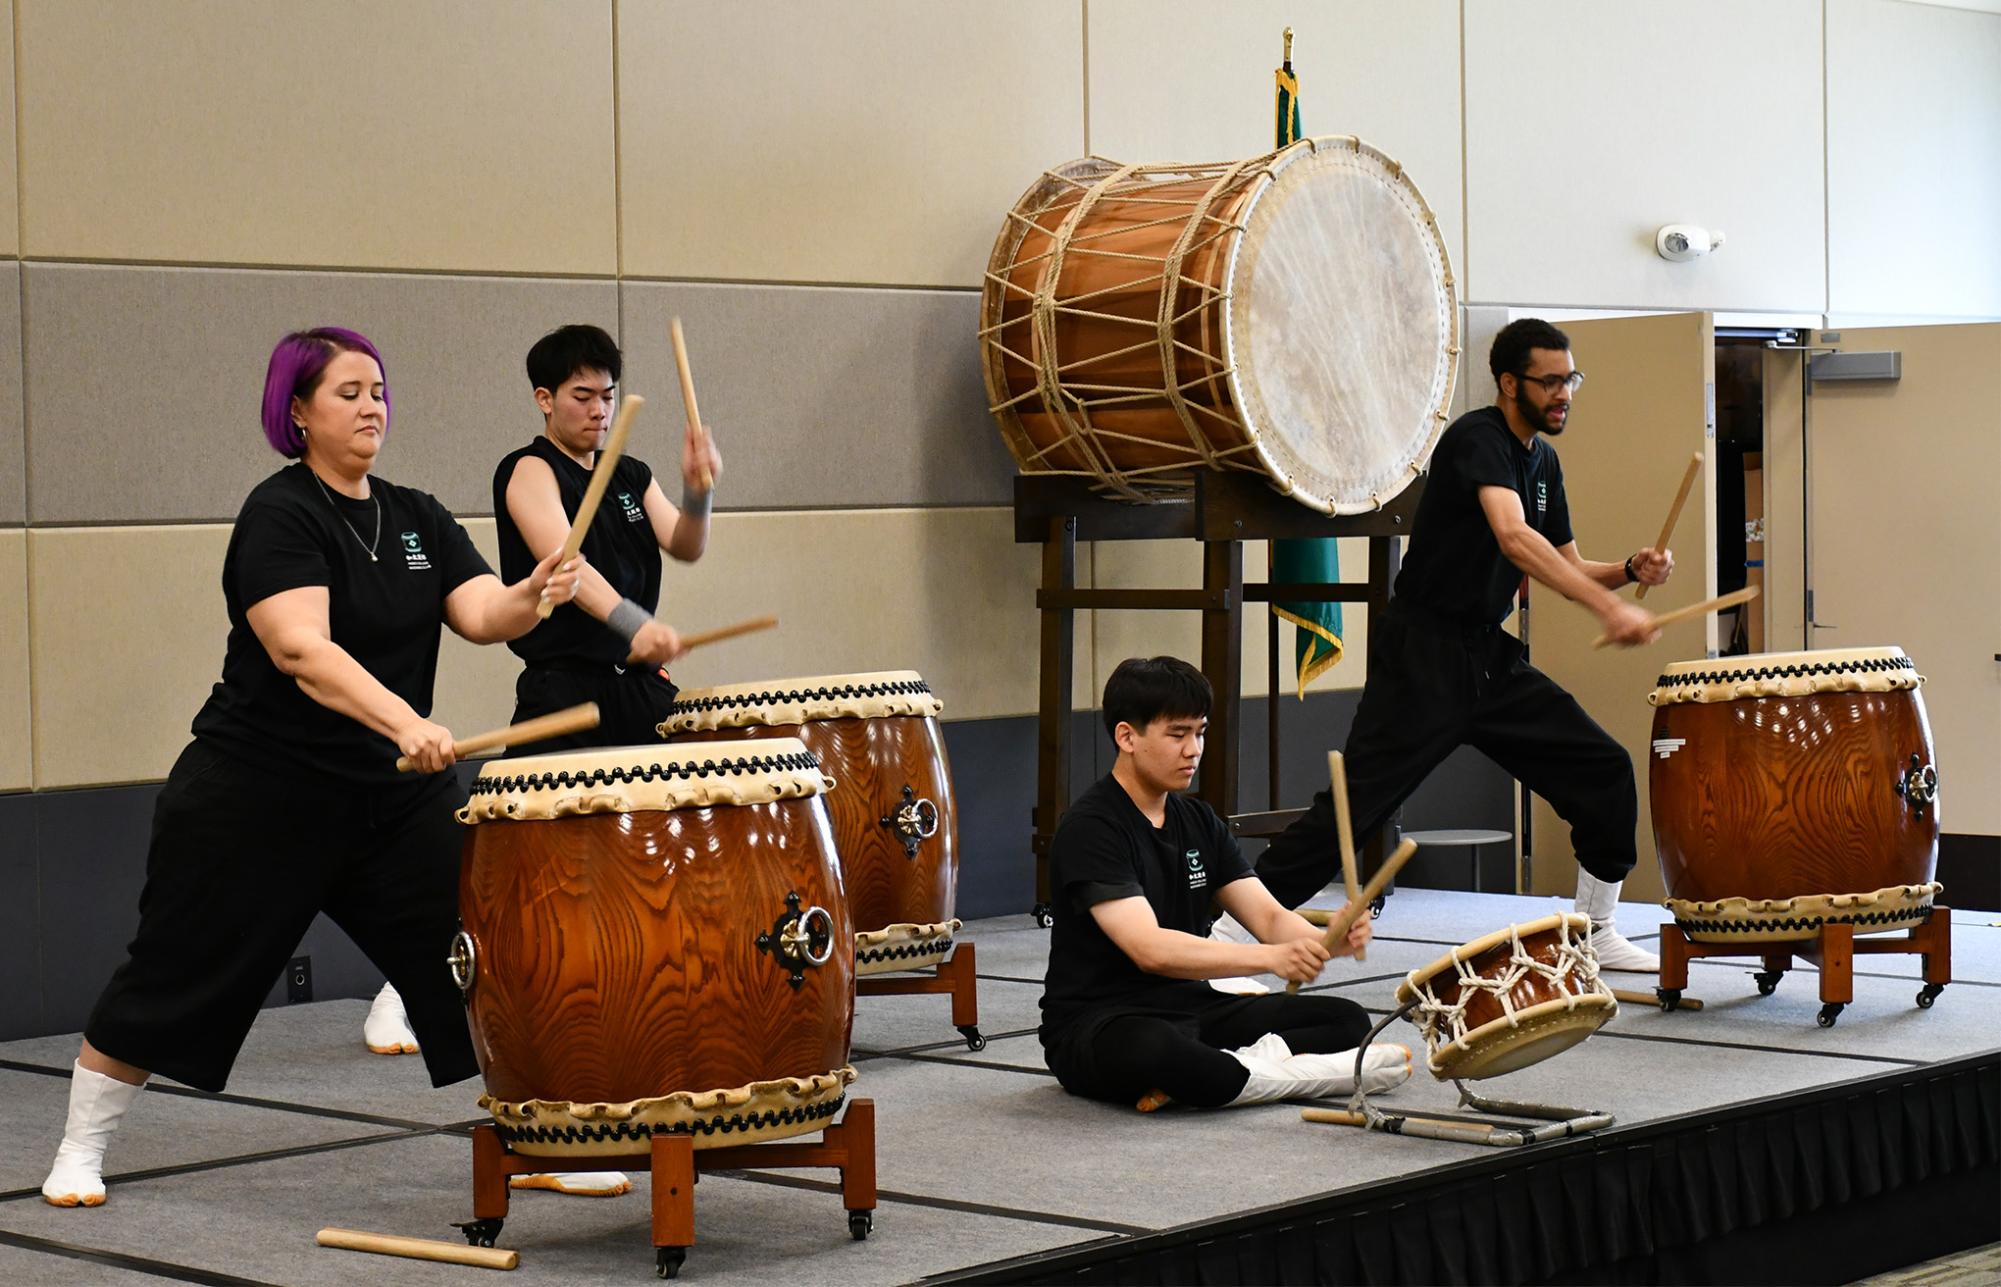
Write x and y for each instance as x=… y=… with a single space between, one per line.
x=675 y=1165
x=1833 y=950
x=956 y=975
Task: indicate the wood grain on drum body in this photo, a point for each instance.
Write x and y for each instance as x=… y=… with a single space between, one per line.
x=1784 y=797
x=617 y=956
x=871 y=761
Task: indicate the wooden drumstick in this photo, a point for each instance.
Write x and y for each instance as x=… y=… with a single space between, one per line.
x=688 y=398
x=1718 y=604
x=1626 y=996
x=1674 y=512
x=1342 y=1117
x=601 y=471
x=571 y=719
x=721 y=633
x=389 y=1244
x=1358 y=906
x=1337 y=773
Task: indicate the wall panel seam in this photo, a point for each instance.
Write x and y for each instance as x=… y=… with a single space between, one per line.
x=20 y=206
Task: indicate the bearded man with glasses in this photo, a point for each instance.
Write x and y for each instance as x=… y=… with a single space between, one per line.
x=1442 y=672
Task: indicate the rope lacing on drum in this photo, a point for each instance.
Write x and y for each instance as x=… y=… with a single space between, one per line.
x=1572 y=957
x=1798 y=670
x=746 y=765
x=773 y=697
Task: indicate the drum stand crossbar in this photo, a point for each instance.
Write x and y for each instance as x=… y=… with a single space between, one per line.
x=1833 y=949
x=1490 y=1122
x=675 y=1164
x=956 y=975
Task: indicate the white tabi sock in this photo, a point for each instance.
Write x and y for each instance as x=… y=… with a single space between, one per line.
x=96 y=1105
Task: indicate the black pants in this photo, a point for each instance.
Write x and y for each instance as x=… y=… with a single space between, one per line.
x=1119 y=1057
x=632 y=702
x=243 y=856
x=1433 y=688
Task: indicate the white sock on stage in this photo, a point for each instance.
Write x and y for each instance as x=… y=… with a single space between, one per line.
x=578 y=1184
x=96 y=1105
x=387 y=1028
x=1227 y=930
x=1599 y=900
x=1308 y=1076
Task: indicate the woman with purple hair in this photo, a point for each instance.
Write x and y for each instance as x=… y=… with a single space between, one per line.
x=287 y=803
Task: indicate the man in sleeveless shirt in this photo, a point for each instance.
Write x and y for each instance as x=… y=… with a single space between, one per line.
x=1442 y=672
x=606 y=646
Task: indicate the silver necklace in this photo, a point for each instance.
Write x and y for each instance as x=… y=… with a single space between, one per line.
x=366 y=545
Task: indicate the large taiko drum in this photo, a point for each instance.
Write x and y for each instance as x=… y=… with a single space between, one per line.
x=1509 y=999
x=1293 y=315
x=652 y=944
x=1792 y=790
x=876 y=735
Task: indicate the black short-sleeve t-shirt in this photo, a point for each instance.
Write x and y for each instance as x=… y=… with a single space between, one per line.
x=619 y=543
x=1455 y=568
x=1105 y=849
x=385 y=612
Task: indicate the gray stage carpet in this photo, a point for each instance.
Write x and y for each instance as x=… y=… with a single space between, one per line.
x=981 y=1156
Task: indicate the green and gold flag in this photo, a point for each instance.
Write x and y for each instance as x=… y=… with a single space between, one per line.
x=1317 y=626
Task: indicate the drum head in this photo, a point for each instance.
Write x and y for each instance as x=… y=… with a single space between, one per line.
x=1786 y=674
x=870 y=695
x=1343 y=326
x=642 y=779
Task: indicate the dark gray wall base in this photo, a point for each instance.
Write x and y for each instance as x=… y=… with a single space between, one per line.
x=73 y=862
x=1970 y=869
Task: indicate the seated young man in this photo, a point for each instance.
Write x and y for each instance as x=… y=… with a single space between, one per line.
x=1132 y=870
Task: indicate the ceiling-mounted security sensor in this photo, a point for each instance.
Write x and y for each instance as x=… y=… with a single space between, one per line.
x=1680 y=241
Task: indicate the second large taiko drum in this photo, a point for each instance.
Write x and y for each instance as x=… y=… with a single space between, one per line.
x=877 y=736
x=1794 y=790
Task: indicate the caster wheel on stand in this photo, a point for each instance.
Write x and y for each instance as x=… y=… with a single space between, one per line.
x=975 y=1042
x=1044 y=918
x=1668 y=997
x=859 y=1224
x=480 y=1233
x=667 y=1261
x=1829 y=1013
x=1929 y=993
x=1768 y=981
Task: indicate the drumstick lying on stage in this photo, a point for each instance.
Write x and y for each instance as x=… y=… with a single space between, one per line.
x=389 y=1244
x=1718 y=604
x=721 y=633
x=1674 y=512
x=607 y=461
x=1358 y=906
x=688 y=397
x=1337 y=773
x=1628 y=997
x=571 y=719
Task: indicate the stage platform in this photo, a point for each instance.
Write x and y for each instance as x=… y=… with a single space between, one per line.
x=1885 y=1123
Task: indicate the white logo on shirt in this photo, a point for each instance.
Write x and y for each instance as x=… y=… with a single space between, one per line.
x=413 y=553
x=1198 y=875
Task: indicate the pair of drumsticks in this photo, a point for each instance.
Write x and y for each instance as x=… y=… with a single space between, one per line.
x=1719 y=603
x=576 y=719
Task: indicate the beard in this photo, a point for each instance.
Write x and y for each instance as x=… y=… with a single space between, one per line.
x=1538 y=416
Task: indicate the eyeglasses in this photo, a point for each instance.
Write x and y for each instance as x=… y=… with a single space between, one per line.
x=1551 y=383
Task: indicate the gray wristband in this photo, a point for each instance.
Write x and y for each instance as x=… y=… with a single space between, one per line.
x=627 y=619
x=696 y=504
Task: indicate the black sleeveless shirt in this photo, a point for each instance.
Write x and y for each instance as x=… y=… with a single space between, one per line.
x=620 y=545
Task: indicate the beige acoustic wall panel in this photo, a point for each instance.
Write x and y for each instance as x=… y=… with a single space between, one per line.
x=877 y=141
x=16 y=725
x=10 y=227
x=820 y=397
x=129 y=628
x=144 y=383
x=945 y=592
x=1189 y=80
x=475 y=687
x=436 y=134
x=1913 y=160
x=1590 y=125
x=13 y=446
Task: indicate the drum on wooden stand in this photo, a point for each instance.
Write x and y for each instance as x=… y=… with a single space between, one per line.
x=1792 y=791
x=1293 y=315
x=651 y=946
x=876 y=735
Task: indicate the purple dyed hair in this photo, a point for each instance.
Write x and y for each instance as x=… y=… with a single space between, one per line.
x=296 y=367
